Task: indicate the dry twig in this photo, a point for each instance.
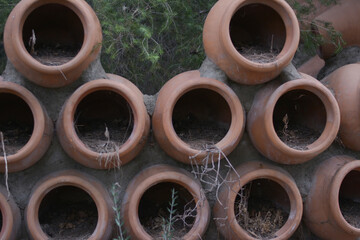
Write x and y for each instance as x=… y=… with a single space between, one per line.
x=6 y=164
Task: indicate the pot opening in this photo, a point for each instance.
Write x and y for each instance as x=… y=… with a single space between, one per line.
x=349 y=198
x=104 y=121
x=68 y=212
x=201 y=118
x=53 y=34
x=299 y=118
x=257 y=32
x=154 y=210
x=16 y=123
x=261 y=208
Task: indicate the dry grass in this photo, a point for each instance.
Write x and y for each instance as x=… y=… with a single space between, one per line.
x=209 y=171
x=6 y=165
x=261 y=222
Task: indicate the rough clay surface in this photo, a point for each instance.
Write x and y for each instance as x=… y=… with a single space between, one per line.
x=56 y=159
x=348 y=55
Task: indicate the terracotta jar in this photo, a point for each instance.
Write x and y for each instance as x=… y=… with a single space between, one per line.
x=65 y=191
x=251 y=40
x=147 y=198
x=10 y=217
x=333 y=194
x=292 y=122
x=343 y=17
x=193 y=114
x=25 y=123
x=104 y=124
x=313 y=66
x=51 y=42
x=345 y=84
x=255 y=185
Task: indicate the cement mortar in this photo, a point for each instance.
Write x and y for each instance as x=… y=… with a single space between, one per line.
x=347 y=56
x=22 y=183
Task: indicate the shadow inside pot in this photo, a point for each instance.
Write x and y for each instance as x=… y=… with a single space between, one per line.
x=261 y=208
x=201 y=118
x=299 y=118
x=349 y=198
x=53 y=34
x=104 y=121
x=258 y=32
x=68 y=212
x=16 y=123
x=154 y=211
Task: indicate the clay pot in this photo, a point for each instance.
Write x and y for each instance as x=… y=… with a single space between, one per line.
x=268 y=183
x=189 y=106
x=233 y=28
x=345 y=84
x=25 y=117
x=102 y=105
x=11 y=219
x=66 y=189
x=343 y=17
x=313 y=66
x=150 y=191
x=333 y=192
x=68 y=28
x=292 y=122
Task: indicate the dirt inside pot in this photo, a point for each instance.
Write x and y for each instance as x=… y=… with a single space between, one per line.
x=53 y=34
x=349 y=198
x=261 y=208
x=104 y=121
x=201 y=118
x=299 y=118
x=258 y=32
x=68 y=213
x=154 y=214
x=16 y=123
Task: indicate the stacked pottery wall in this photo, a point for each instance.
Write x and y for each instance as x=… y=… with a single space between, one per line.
x=153 y=144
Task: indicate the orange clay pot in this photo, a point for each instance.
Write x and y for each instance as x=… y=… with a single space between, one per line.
x=129 y=102
x=312 y=67
x=11 y=219
x=336 y=179
x=273 y=183
x=343 y=18
x=231 y=25
x=59 y=23
x=187 y=96
x=345 y=84
x=71 y=178
x=152 y=177
x=22 y=107
x=307 y=104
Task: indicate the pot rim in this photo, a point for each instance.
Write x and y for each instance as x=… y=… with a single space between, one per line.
x=8 y=218
x=332 y=112
x=39 y=118
x=295 y=200
x=195 y=82
x=334 y=197
x=139 y=123
x=290 y=45
x=69 y=178
x=27 y=7
x=168 y=174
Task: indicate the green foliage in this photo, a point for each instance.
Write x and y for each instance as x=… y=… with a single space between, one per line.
x=150 y=41
x=115 y=194
x=5 y=8
x=168 y=224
